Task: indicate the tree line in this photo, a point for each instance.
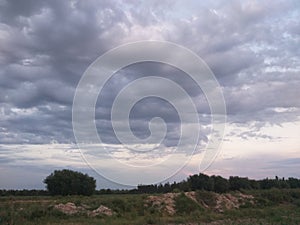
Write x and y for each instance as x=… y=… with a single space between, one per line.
x=220 y=184
x=68 y=182
x=24 y=192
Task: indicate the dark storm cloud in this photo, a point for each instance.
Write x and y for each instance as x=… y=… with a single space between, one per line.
x=45 y=46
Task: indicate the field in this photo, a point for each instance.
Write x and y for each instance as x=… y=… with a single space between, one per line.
x=248 y=207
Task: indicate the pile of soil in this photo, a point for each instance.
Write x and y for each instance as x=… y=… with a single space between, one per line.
x=101 y=210
x=164 y=203
x=229 y=201
x=71 y=209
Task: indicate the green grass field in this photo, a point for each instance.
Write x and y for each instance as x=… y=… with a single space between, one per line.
x=266 y=207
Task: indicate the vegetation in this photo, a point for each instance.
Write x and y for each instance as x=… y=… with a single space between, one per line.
x=199 y=199
x=272 y=206
x=68 y=182
x=219 y=184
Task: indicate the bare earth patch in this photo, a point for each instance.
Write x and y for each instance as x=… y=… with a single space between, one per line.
x=229 y=201
x=71 y=209
x=101 y=210
x=165 y=202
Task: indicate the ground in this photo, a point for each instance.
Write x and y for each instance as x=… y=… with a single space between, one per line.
x=200 y=207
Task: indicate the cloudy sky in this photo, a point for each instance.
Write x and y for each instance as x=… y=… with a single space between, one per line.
x=252 y=48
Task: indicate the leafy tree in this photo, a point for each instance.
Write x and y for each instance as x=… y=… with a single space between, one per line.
x=68 y=182
x=200 y=182
x=183 y=186
x=294 y=182
x=275 y=183
x=238 y=183
x=221 y=185
x=167 y=187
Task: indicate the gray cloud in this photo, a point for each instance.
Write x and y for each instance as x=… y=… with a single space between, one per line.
x=45 y=46
x=251 y=47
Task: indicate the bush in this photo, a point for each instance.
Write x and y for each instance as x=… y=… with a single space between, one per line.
x=276 y=196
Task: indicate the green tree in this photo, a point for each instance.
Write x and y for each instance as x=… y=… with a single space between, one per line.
x=294 y=182
x=221 y=185
x=68 y=182
x=238 y=183
x=200 y=182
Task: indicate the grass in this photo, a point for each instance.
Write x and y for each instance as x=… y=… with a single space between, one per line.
x=271 y=207
x=186 y=206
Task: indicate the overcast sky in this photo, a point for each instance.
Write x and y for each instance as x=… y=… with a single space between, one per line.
x=252 y=47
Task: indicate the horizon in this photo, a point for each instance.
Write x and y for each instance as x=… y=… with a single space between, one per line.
x=250 y=49
x=177 y=182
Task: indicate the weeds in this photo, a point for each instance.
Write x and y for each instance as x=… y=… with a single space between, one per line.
x=270 y=207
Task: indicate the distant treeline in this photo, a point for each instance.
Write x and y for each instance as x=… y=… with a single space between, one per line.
x=23 y=192
x=219 y=184
x=195 y=182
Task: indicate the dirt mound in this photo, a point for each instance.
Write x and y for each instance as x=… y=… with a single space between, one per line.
x=101 y=210
x=71 y=209
x=164 y=203
x=230 y=201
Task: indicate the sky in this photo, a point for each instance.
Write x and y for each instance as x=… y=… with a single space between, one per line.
x=251 y=47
